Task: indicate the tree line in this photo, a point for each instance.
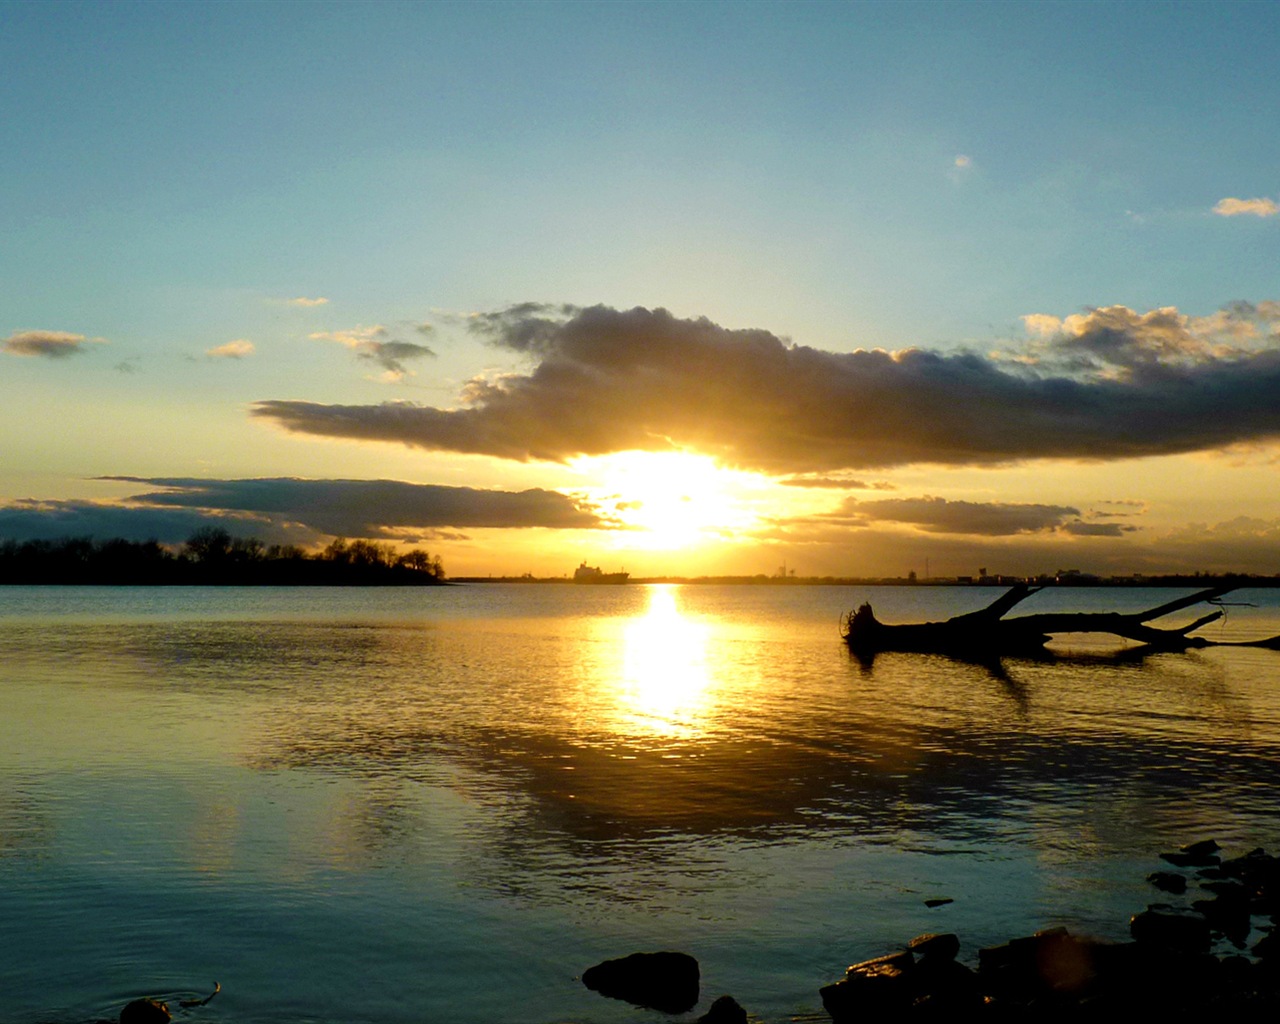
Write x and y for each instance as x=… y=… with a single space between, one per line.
x=212 y=556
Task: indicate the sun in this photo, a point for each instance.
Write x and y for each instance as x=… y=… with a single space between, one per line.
x=671 y=500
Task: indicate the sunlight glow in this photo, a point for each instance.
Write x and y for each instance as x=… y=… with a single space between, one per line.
x=671 y=500
x=664 y=667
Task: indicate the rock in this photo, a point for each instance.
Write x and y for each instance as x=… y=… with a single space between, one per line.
x=1267 y=948
x=664 y=981
x=724 y=1010
x=943 y=986
x=1228 y=912
x=1167 y=927
x=882 y=985
x=1046 y=964
x=933 y=945
x=940 y=901
x=1168 y=881
x=1204 y=848
x=1182 y=859
x=145 y=1011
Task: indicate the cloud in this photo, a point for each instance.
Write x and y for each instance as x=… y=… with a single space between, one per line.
x=837 y=483
x=1082 y=529
x=371 y=508
x=50 y=344
x=305 y=302
x=1246 y=207
x=237 y=349
x=939 y=515
x=1109 y=384
x=54 y=520
x=368 y=343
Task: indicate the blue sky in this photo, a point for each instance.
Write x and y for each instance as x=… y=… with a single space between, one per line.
x=176 y=177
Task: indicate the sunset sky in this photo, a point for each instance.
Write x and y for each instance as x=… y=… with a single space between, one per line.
x=699 y=288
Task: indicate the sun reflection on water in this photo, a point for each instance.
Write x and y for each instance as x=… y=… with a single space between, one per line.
x=665 y=678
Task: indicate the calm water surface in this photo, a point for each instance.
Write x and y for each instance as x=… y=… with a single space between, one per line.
x=410 y=805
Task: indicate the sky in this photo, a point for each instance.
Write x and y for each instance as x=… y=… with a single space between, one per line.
x=671 y=288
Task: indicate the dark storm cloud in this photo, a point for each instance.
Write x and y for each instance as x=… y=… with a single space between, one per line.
x=987 y=519
x=49 y=344
x=371 y=508
x=1109 y=384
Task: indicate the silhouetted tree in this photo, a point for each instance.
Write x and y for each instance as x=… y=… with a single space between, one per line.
x=208 y=544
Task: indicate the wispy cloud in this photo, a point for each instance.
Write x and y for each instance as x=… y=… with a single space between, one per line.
x=237 y=349
x=49 y=344
x=374 y=343
x=1246 y=207
x=302 y=300
x=837 y=483
x=1107 y=384
x=940 y=515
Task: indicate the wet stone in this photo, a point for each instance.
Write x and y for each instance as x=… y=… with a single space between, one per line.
x=882 y=985
x=664 y=981
x=145 y=1011
x=724 y=1010
x=1169 y=927
x=1168 y=881
x=932 y=945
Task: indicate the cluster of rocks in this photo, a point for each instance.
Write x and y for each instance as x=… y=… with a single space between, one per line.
x=1168 y=968
x=1183 y=962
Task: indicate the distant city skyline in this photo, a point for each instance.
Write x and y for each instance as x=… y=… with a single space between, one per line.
x=685 y=289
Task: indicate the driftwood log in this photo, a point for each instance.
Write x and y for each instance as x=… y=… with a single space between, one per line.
x=987 y=632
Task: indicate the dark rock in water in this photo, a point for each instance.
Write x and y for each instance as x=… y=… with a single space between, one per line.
x=145 y=1011
x=943 y=986
x=1260 y=872
x=1168 y=881
x=935 y=946
x=724 y=1010
x=882 y=985
x=1228 y=912
x=898 y=984
x=1204 y=848
x=1048 y=964
x=1267 y=948
x=1181 y=859
x=1194 y=855
x=664 y=981
x=1170 y=928
x=941 y=901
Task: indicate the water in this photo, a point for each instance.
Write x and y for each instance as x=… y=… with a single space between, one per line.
x=393 y=806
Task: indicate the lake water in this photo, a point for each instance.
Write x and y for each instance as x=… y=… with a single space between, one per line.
x=394 y=806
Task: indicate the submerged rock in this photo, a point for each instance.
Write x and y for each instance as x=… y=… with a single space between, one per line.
x=664 y=981
x=1168 y=881
x=1194 y=855
x=145 y=1011
x=724 y=1010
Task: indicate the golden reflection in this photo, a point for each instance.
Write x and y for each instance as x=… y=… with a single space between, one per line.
x=665 y=679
